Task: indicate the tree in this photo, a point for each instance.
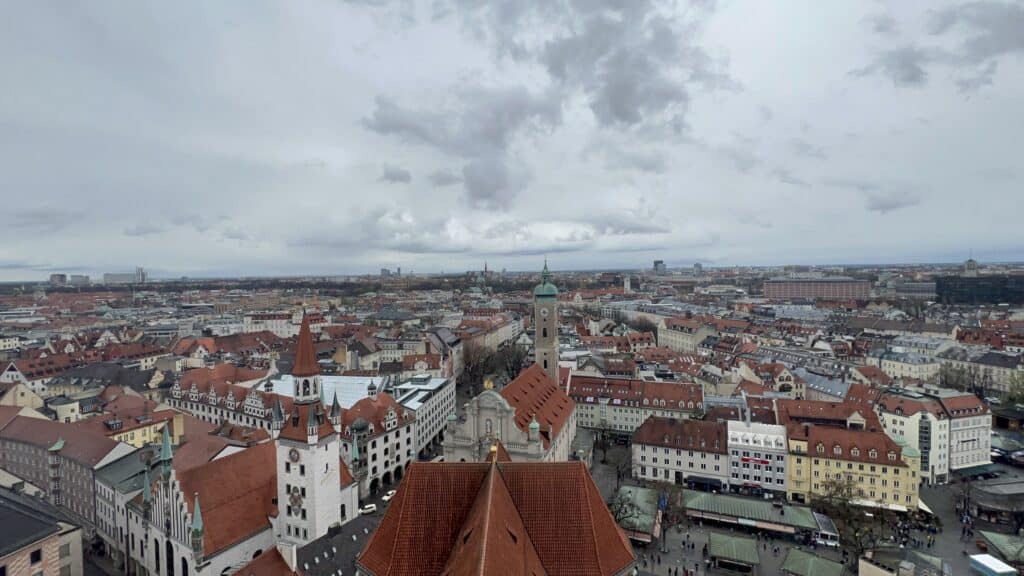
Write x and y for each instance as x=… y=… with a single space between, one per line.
x=857 y=531
x=622 y=507
x=1015 y=388
x=510 y=360
x=477 y=362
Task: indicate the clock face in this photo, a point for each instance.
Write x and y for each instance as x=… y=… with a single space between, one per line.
x=293 y=455
x=544 y=312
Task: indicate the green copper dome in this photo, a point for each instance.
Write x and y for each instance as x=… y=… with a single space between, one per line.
x=545 y=289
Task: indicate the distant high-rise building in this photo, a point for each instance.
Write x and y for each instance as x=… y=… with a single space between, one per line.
x=989 y=289
x=659 y=267
x=78 y=280
x=970 y=268
x=811 y=288
x=58 y=279
x=698 y=269
x=385 y=273
x=140 y=275
x=118 y=278
x=627 y=287
x=398 y=272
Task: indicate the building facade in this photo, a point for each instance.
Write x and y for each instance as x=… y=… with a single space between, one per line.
x=690 y=453
x=758 y=454
x=619 y=406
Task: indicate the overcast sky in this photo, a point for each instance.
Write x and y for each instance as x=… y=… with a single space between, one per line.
x=260 y=138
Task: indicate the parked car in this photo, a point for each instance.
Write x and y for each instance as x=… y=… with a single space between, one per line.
x=388 y=496
x=368 y=509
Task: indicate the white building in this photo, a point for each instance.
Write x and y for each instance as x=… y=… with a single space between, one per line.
x=922 y=422
x=430 y=400
x=757 y=457
x=683 y=452
x=377 y=440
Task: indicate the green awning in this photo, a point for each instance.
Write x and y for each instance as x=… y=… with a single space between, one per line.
x=1009 y=546
x=800 y=563
x=733 y=548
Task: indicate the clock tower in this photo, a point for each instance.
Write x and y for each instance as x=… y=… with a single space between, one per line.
x=545 y=322
x=308 y=455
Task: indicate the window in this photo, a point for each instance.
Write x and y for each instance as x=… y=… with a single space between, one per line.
x=36 y=556
x=302 y=469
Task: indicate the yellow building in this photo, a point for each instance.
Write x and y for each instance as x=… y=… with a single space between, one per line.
x=879 y=471
x=138 y=430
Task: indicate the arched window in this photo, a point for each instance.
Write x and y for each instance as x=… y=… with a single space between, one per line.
x=305 y=387
x=169 y=558
x=156 y=552
x=184 y=567
x=544 y=331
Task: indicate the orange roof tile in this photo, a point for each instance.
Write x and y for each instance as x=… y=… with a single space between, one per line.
x=534 y=395
x=305 y=354
x=235 y=495
x=488 y=518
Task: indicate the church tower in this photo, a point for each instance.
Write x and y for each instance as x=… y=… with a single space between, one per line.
x=545 y=322
x=308 y=455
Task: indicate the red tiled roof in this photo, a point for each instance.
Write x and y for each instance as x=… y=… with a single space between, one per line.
x=675 y=395
x=534 y=395
x=345 y=474
x=864 y=441
x=497 y=518
x=703 y=436
x=305 y=354
x=409 y=361
x=235 y=495
x=83 y=446
x=269 y=563
x=296 y=427
x=374 y=411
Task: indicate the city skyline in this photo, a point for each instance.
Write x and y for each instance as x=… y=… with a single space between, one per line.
x=217 y=140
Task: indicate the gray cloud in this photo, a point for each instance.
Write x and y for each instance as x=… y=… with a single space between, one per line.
x=395 y=175
x=905 y=66
x=785 y=176
x=993 y=29
x=883 y=24
x=880 y=197
x=441 y=178
x=143 y=229
x=804 y=148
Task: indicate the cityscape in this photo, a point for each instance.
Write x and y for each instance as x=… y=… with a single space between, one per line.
x=512 y=288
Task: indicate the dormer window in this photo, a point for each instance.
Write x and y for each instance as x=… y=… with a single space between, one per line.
x=837 y=450
x=892 y=456
x=873 y=454
x=855 y=452
x=821 y=448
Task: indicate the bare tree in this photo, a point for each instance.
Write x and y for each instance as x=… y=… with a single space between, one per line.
x=622 y=507
x=510 y=360
x=857 y=531
x=477 y=362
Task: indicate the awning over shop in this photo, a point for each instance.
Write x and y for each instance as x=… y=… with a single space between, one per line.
x=975 y=470
x=924 y=507
x=874 y=504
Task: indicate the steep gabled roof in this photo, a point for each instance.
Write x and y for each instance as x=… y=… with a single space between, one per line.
x=235 y=494
x=497 y=518
x=534 y=394
x=305 y=353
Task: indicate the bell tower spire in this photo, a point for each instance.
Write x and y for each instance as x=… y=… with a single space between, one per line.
x=306 y=371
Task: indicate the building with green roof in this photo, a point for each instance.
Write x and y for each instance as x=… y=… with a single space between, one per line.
x=733 y=552
x=800 y=563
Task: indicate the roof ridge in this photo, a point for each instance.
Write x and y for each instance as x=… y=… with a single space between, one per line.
x=593 y=529
x=489 y=497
